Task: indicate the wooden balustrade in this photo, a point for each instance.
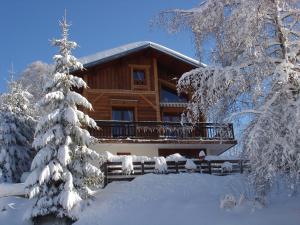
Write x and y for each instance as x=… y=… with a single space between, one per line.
x=113 y=170
x=109 y=129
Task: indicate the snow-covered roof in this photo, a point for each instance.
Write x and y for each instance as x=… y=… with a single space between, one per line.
x=123 y=50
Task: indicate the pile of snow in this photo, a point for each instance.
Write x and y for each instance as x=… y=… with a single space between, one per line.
x=127 y=165
x=119 y=158
x=228 y=202
x=226 y=167
x=202 y=154
x=160 y=165
x=220 y=157
x=190 y=165
x=175 y=157
x=9 y=189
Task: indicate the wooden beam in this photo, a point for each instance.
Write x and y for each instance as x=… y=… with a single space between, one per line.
x=149 y=102
x=97 y=98
x=158 y=115
x=168 y=84
x=118 y=91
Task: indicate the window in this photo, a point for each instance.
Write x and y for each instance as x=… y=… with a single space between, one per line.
x=139 y=77
x=123 y=129
x=169 y=95
x=123 y=114
x=123 y=153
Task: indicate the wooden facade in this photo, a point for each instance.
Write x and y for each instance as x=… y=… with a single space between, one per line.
x=136 y=83
x=111 y=85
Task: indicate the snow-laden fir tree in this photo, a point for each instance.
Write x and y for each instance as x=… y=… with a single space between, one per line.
x=16 y=133
x=255 y=71
x=61 y=172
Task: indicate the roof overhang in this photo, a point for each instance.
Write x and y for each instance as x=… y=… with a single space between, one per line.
x=115 y=53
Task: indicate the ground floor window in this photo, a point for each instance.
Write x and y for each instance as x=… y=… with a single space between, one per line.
x=123 y=153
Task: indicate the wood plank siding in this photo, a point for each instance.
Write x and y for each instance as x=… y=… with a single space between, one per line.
x=111 y=84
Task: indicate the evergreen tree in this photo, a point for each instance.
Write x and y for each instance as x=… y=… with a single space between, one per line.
x=61 y=172
x=16 y=133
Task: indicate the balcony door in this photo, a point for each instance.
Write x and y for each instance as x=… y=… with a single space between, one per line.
x=169 y=118
x=125 y=127
x=121 y=114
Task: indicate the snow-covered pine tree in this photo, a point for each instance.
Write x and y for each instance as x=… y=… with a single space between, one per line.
x=16 y=133
x=61 y=172
x=255 y=71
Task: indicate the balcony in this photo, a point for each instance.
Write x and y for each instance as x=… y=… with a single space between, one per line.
x=162 y=131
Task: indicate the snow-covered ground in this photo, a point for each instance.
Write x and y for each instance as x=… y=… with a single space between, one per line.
x=170 y=200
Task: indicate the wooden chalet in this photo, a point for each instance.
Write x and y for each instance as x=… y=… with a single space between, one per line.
x=133 y=92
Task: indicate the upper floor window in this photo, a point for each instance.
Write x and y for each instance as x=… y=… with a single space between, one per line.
x=169 y=95
x=139 y=77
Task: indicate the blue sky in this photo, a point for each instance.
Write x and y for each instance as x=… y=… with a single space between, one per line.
x=28 y=25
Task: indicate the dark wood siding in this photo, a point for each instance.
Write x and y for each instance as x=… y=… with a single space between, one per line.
x=111 y=85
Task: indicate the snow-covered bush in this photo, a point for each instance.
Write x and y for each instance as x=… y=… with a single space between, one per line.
x=127 y=165
x=175 y=157
x=254 y=75
x=160 y=165
x=61 y=172
x=228 y=202
x=16 y=133
x=190 y=165
x=226 y=167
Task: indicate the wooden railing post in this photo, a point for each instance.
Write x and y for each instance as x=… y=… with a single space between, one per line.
x=209 y=167
x=105 y=173
x=143 y=168
x=241 y=165
x=176 y=167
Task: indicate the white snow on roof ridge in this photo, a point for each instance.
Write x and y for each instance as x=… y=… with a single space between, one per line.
x=123 y=50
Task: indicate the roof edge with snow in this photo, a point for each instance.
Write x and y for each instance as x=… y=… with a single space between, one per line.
x=115 y=53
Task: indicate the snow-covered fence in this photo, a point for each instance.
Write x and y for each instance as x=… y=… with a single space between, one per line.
x=113 y=171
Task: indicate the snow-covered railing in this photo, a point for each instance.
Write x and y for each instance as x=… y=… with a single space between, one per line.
x=113 y=171
x=110 y=129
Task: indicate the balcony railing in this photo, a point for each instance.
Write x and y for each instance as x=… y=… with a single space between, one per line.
x=109 y=129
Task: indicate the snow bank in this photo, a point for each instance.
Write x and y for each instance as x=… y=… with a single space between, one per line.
x=175 y=157
x=12 y=210
x=184 y=199
x=8 y=189
x=174 y=199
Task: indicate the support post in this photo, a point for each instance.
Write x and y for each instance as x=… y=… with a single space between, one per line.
x=143 y=168
x=176 y=167
x=209 y=167
x=241 y=165
x=105 y=173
